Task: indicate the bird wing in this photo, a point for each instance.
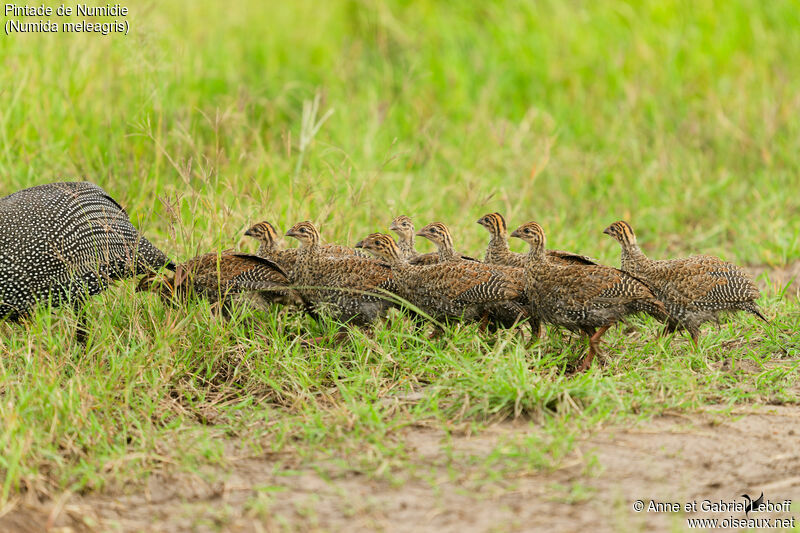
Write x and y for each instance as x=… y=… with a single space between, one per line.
x=701 y=279
x=568 y=257
x=254 y=259
x=482 y=285
x=580 y=286
x=256 y=273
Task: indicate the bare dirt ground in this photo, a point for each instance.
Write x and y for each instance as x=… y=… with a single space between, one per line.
x=675 y=458
x=779 y=277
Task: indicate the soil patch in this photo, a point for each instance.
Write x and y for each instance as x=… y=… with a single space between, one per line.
x=674 y=458
x=778 y=276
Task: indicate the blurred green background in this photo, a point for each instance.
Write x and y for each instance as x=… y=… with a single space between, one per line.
x=681 y=117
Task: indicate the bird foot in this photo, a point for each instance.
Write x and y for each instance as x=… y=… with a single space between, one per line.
x=435 y=334
x=586 y=363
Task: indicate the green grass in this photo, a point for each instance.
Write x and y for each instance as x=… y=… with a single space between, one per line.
x=680 y=117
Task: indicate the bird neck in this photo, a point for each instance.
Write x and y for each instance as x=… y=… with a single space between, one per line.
x=397 y=260
x=446 y=250
x=447 y=254
x=536 y=255
x=632 y=255
x=311 y=247
x=406 y=245
x=266 y=248
x=498 y=244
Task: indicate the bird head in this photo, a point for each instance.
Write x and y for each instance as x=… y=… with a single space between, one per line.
x=305 y=232
x=438 y=234
x=264 y=232
x=494 y=222
x=403 y=226
x=622 y=232
x=532 y=233
x=380 y=245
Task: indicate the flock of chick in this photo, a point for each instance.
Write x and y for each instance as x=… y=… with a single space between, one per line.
x=504 y=290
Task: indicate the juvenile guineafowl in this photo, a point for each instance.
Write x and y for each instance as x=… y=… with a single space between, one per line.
x=694 y=289
x=349 y=288
x=218 y=276
x=65 y=242
x=439 y=234
x=404 y=228
x=581 y=298
x=268 y=239
x=457 y=289
x=504 y=314
x=498 y=252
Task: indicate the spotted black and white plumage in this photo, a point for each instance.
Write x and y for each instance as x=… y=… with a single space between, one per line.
x=582 y=298
x=694 y=289
x=65 y=242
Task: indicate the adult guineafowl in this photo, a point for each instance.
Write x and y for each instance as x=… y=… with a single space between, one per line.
x=64 y=242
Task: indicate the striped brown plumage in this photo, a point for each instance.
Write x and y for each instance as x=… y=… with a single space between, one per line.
x=694 y=289
x=504 y=314
x=351 y=289
x=498 y=252
x=218 y=276
x=458 y=289
x=582 y=298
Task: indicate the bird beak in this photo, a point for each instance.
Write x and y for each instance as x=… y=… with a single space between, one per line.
x=515 y=234
x=249 y=233
x=291 y=233
x=360 y=244
x=393 y=227
x=607 y=231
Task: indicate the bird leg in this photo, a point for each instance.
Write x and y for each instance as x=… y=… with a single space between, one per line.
x=436 y=333
x=594 y=348
x=81 y=333
x=695 y=337
x=669 y=328
x=339 y=337
x=419 y=321
x=537 y=331
x=484 y=322
x=541 y=332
